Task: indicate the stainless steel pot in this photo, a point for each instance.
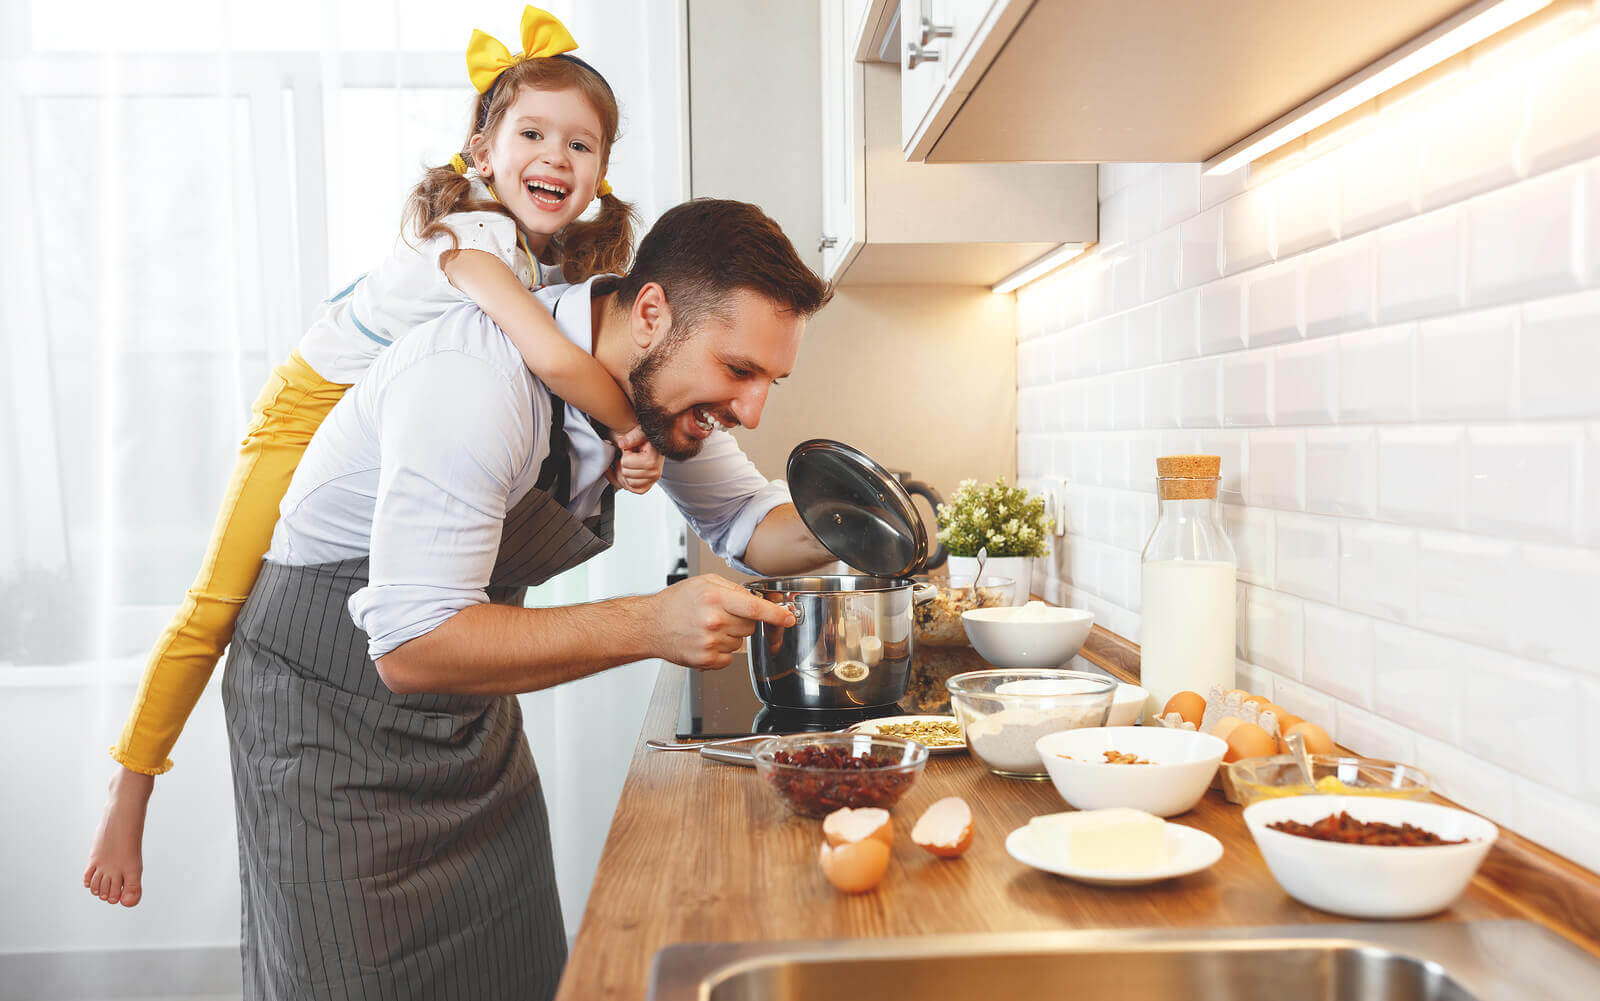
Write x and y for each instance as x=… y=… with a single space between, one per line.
x=850 y=646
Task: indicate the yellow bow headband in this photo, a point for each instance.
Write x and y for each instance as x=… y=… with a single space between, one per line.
x=542 y=36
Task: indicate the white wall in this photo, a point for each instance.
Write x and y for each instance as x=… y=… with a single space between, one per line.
x=1394 y=348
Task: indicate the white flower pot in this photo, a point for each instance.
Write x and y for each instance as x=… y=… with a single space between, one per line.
x=1018 y=568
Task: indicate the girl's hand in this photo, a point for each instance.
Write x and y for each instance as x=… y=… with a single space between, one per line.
x=638 y=464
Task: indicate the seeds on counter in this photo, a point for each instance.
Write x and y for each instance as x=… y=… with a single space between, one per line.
x=933 y=733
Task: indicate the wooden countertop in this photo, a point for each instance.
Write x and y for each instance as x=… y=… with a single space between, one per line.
x=700 y=851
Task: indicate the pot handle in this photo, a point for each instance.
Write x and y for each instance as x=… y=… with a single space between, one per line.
x=788 y=602
x=938 y=554
x=921 y=592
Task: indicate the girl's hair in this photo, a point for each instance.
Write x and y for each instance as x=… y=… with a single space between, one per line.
x=600 y=245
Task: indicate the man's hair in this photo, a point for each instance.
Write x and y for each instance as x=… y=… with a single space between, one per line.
x=704 y=250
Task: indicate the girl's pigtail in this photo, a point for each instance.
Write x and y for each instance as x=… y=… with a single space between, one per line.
x=602 y=245
x=441 y=192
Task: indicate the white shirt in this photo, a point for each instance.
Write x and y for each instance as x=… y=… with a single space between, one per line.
x=421 y=461
x=408 y=289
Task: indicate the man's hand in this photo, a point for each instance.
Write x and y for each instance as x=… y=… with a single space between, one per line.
x=705 y=619
x=638 y=464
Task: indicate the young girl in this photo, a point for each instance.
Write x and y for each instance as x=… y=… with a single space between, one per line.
x=501 y=220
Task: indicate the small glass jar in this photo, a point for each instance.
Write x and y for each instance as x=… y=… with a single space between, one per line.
x=1187 y=585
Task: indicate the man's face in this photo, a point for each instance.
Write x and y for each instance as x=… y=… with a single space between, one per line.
x=719 y=373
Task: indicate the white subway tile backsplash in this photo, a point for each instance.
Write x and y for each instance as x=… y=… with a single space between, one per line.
x=1466 y=366
x=1160 y=396
x=1420 y=475
x=1375 y=374
x=1474 y=783
x=1221 y=325
x=1338 y=653
x=1305 y=383
x=1277 y=469
x=1338 y=287
x=1197 y=393
x=1378 y=570
x=1179 y=326
x=1247 y=389
x=1374 y=736
x=1200 y=249
x=1305 y=209
x=1247 y=231
x=1272 y=304
x=1307 y=551
x=1276 y=625
x=1561 y=823
x=1509 y=711
x=1468 y=141
x=1523 y=480
x=1418 y=678
x=1465 y=587
x=1525 y=240
x=1415 y=506
x=1378 y=175
x=1554 y=596
x=1341 y=471
x=1558 y=356
x=1562 y=126
x=1160 y=265
x=1250 y=530
x=1419 y=267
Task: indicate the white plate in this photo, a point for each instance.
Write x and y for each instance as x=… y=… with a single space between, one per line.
x=1188 y=851
x=871 y=726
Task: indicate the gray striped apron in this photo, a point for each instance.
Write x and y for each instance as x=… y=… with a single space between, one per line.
x=392 y=846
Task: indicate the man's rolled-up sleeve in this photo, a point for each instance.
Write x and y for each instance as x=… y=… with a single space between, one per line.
x=454 y=432
x=723 y=496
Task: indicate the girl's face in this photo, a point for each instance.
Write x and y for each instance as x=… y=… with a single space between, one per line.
x=544 y=160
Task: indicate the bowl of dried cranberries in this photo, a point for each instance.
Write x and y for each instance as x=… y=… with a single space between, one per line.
x=816 y=774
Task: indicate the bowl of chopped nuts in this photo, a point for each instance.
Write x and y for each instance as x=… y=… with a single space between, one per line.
x=1149 y=768
x=936 y=620
x=817 y=773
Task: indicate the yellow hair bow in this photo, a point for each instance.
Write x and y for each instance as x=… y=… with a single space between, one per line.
x=604 y=188
x=542 y=36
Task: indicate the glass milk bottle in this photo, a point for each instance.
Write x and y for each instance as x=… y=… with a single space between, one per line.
x=1186 y=585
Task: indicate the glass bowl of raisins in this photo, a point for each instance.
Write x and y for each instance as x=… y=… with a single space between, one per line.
x=816 y=774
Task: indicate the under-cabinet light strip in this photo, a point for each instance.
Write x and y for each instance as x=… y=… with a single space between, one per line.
x=1039 y=268
x=1451 y=36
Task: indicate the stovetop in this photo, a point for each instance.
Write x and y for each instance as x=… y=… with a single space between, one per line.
x=724 y=704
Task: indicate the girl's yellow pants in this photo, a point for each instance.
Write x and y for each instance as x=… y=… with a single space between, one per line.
x=292 y=404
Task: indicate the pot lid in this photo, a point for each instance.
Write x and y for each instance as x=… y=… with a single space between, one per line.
x=857 y=508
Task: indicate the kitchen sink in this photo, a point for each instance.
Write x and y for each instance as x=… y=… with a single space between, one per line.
x=1408 y=961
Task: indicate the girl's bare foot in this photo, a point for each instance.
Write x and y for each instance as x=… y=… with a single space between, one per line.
x=116 y=862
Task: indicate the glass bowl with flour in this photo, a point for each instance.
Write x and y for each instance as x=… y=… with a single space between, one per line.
x=1004 y=713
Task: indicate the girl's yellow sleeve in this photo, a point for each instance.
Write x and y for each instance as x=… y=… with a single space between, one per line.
x=292 y=404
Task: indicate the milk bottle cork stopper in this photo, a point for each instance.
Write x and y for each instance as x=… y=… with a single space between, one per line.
x=1188 y=477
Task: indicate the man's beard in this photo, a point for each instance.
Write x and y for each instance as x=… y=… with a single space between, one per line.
x=655 y=420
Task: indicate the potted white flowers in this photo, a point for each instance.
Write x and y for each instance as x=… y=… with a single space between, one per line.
x=1007 y=521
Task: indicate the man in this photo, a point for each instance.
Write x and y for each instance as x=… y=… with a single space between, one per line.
x=393 y=837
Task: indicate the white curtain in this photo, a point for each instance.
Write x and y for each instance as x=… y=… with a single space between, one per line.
x=187 y=179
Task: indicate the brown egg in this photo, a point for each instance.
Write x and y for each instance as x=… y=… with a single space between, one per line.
x=1316 y=738
x=845 y=825
x=1189 y=705
x=1230 y=693
x=1248 y=741
x=1224 y=726
x=945 y=829
x=1259 y=701
x=855 y=866
x=1285 y=721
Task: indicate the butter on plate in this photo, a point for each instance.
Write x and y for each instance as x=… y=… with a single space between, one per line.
x=1111 y=840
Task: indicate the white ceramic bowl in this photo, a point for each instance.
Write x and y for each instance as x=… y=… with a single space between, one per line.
x=1182 y=764
x=1050 y=640
x=1368 y=881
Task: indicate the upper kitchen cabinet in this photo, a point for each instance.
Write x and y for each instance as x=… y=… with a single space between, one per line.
x=1089 y=81
x=889 y=222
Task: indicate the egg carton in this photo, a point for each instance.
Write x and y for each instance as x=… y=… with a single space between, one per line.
x=1220 y=705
